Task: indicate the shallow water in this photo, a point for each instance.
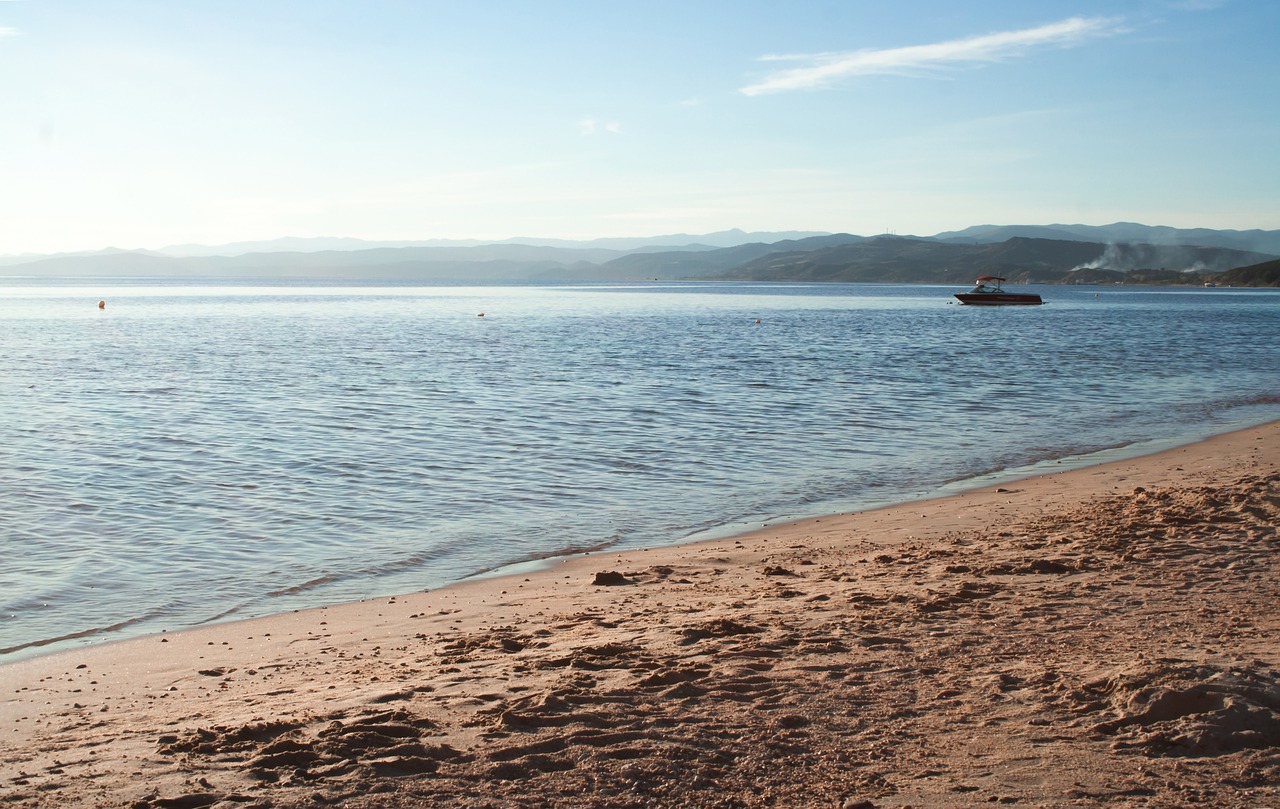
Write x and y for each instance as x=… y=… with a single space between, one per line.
x=201 y=451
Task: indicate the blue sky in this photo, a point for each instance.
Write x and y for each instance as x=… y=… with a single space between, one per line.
x=146 y=123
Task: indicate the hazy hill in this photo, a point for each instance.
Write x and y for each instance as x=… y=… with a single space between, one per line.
x=293 y=244
x=710 y=263
x=1266 y=274
x=907 y=260
x=681 y=241
x=506 y=262
x=98 y=265
x=17 y=259
x=994 y=234
x=1258 y=241
x=826 y=257
x=904 y=260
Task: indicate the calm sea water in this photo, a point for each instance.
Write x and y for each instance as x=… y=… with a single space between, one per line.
x=197 y=452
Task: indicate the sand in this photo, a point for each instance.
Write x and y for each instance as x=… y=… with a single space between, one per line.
x=1100 y=637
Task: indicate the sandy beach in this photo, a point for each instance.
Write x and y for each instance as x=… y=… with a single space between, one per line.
x=1107 y=636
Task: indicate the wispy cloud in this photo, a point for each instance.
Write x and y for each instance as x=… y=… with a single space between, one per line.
x=8 y=32
x=590 y=126
x=823 y=69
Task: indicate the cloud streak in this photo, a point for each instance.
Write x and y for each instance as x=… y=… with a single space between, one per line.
x=824 y=69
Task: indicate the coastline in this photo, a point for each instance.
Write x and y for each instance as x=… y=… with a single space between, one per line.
x=264 y=535
x=843 y=656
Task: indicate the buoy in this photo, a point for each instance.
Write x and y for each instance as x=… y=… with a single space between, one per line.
x=757 y=321
x=102 y=304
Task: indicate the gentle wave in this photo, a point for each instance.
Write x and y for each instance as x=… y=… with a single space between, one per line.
x=194 y=453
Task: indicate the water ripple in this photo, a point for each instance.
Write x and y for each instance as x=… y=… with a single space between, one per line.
x=194 y=453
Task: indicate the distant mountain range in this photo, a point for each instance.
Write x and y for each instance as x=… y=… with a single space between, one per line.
x=1121 y=252
x=293 y=244
x=1255 y=241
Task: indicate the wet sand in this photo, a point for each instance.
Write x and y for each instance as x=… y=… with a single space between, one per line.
x=1106 y=636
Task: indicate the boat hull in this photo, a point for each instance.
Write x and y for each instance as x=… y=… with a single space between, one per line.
x=998 y=299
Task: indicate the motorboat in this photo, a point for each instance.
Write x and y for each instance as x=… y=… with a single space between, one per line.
x=987 y=291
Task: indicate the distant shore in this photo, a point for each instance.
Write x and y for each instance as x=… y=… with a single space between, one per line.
x=1097 y=635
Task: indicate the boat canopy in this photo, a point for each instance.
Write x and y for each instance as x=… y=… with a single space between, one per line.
x=982 y=278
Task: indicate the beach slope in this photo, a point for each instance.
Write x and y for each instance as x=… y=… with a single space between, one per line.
x=1106 y=636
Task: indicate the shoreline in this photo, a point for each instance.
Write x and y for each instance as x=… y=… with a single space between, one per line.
x=265 y=536
x=727 y=530
x=983 y=480
x=709 y=660
x=713 y=533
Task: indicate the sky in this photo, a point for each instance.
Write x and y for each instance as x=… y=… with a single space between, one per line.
x=150 y=123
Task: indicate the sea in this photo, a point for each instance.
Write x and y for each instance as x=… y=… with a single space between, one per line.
x=200 y=450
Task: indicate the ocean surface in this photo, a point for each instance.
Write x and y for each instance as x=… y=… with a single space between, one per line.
x=196 y=452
